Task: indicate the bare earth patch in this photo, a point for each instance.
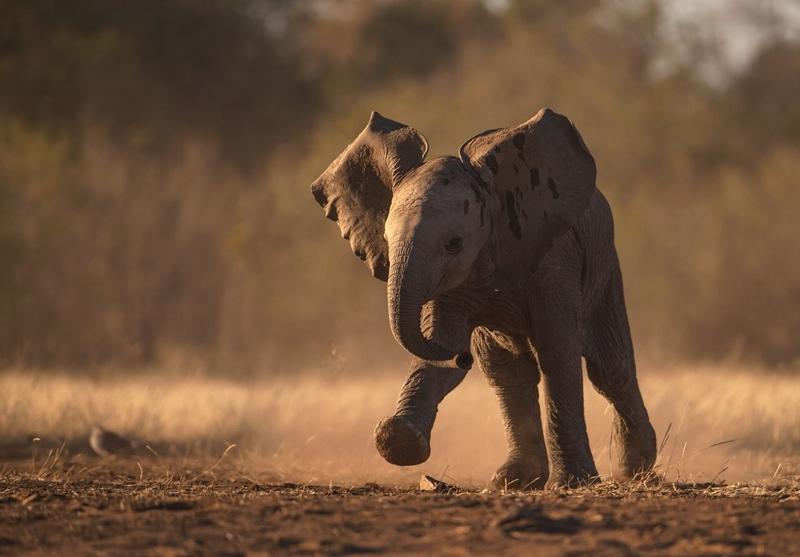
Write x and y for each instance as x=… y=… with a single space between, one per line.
x=212 y=461
x=116 y=508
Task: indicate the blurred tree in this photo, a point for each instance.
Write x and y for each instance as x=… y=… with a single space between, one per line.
x=155 y=158
x=405 y=38
x=153 y=72
x=762 y=102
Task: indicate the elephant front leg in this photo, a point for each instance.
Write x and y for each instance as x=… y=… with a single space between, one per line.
x=571 y=461
x=557 y=314
x=511 y=369
x=404 y=438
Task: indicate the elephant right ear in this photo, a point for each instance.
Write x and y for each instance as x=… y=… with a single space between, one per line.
x=544 y=178
x=356 y=189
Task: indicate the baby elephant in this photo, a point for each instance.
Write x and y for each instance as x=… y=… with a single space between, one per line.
x=505 y=254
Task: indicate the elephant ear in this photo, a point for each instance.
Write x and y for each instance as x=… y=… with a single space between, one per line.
x=356 y=189
x=544 y=177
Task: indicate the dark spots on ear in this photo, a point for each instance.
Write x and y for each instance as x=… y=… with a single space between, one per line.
x=553 y=187
x=361 y=255
x=466 y=206
x=446 y=181
x=519 y=140
x=534 y=178
x=513 y=221
x=516 y=169
x=491 y=162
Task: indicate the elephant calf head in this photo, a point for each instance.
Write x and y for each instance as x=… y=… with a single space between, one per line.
x=422 y=226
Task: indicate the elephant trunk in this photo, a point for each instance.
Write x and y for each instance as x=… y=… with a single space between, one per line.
x=410 y=286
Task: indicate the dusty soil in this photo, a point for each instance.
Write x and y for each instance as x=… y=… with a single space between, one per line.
x=115 y=509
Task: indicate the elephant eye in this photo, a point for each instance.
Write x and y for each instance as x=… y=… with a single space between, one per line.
x=455 y=244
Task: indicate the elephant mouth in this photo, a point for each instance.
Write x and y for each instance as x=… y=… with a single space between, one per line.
x=446 y=327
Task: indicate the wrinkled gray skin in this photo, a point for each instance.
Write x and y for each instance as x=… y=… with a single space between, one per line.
x=507 y=255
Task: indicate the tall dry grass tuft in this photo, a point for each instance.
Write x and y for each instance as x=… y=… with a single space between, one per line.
x=713 y=423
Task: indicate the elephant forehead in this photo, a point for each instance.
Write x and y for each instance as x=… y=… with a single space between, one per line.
x=439 y=172
x=430 y=198
x=440 y=190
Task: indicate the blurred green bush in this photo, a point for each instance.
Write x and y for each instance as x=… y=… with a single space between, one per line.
x=155 y=158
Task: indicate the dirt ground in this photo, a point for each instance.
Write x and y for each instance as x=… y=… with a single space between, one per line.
x=213 y=460
x=115 y=508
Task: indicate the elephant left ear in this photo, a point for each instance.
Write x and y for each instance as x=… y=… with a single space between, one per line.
x=543 y=175
x=356 y=189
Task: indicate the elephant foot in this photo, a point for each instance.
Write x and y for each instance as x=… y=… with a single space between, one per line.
x=521 y=474
x=400 y=442
x=572 y=473
x=636 y=449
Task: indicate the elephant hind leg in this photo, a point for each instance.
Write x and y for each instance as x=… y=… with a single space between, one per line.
x=511 y=369
x=612 y=370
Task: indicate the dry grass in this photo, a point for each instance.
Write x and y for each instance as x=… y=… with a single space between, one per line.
x=713 y=424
